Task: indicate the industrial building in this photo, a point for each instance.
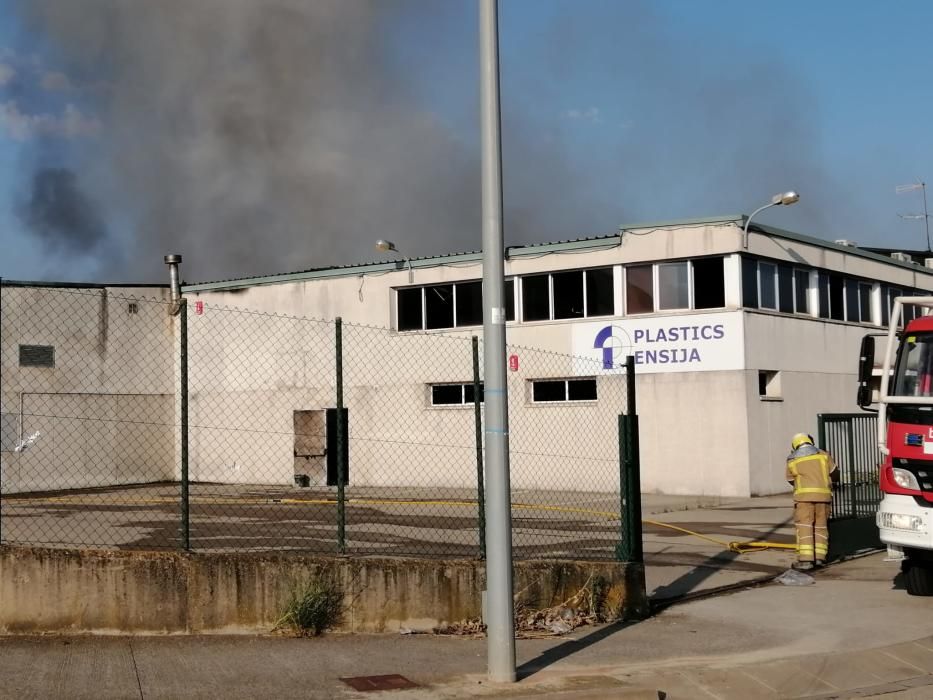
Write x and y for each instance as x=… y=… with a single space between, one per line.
x=738 y=344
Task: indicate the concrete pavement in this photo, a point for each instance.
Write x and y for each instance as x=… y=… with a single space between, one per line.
x=854 y=633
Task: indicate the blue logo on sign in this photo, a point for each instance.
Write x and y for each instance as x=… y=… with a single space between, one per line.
x=615 y=343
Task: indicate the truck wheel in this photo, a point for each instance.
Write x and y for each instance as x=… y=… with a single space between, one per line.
x=919 y=579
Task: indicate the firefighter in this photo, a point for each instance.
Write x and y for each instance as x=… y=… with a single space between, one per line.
x=812 y=473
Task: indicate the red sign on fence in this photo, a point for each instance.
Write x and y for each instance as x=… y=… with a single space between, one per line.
x=513 y=363
x=199 y=307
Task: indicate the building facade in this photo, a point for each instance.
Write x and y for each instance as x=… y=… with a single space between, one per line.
x=738 y=345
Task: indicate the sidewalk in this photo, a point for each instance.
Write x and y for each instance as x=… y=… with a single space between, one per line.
x=678 y=564
x=853 y=631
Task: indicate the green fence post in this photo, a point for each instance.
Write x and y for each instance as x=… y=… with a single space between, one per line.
x=478 y=420
x=183 y=381
x=850 y=466
x=341 y=510
x=630 y=548
x=821 y=443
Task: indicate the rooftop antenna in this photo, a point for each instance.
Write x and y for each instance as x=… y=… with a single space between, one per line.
x=922 y=186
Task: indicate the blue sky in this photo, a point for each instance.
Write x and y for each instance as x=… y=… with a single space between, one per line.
x=615 y=112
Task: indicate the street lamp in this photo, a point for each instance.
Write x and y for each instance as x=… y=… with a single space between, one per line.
x=785 y=198
x=384 y=246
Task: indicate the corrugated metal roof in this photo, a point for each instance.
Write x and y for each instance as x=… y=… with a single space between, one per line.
x=376 y=267
x=437 y=260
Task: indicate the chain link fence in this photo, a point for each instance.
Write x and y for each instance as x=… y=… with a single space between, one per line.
x=131 y=422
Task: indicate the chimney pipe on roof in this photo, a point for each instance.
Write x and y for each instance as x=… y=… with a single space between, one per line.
x=173 y=261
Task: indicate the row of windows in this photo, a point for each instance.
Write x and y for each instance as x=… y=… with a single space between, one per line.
x=542 y=391
x=788 y=289
x=684 y=285
x=651 y=288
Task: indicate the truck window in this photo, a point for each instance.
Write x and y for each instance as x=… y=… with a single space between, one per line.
x=915 y=366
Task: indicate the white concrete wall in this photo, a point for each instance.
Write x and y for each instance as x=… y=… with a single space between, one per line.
x=818 y=363
x=105 y=410
x=256 y=356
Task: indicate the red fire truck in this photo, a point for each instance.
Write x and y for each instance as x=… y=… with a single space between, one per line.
x=905 y=437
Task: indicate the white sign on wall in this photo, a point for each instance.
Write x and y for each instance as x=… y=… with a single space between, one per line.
x=689 y=343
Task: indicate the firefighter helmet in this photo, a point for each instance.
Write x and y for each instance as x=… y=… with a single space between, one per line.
x=800 y=439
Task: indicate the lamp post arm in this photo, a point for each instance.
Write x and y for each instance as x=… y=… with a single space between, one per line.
x=749 y=220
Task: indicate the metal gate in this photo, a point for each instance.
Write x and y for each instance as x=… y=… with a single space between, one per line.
x=852 y=440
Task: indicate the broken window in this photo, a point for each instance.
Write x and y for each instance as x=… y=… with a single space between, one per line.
x=600 y=294
x=409 y=309
x=439 y=306
x=469 y=303
x=536 y=298
x=709 y=285
x=568 y=294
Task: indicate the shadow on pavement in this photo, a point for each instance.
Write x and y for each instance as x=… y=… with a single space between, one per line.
x=688 y=583
x=664 y=596
x=568 y=648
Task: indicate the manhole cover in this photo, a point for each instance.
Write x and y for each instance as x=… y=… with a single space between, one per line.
x=390 y=682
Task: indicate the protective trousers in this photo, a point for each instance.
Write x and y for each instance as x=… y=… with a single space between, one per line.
x=812 y=531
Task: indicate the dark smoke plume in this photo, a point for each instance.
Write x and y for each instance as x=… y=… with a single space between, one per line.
x=259 y=136
x=61 y=214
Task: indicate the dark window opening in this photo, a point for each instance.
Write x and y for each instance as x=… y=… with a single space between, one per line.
x=568 y=294
x=549 y=390
x=769 y=384
x=470 y=304
x=887 y=304
x=409 y=309
x=709 y=287
x=509 y=300
x=801 y=291
x=639 y=289
x=864 y=302
x=439 y=306
x=536 y=298
x=836 y=298
x=36 y=355
x=468 y=393
x=824 y=295
x=600 y=298
x=581 y=390
x=448 y=394
x=786 y=289
x=766 y=289
x=749 y=283
x=852 y=306
x=553 y=390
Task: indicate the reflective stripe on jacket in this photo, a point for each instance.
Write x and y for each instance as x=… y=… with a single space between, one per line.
x=810 y=475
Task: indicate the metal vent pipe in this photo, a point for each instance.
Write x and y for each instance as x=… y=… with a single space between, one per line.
x=173 y=262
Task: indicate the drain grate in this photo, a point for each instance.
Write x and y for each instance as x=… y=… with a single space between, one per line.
x=390 y=682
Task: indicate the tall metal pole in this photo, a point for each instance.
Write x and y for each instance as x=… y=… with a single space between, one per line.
x=499 y=607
